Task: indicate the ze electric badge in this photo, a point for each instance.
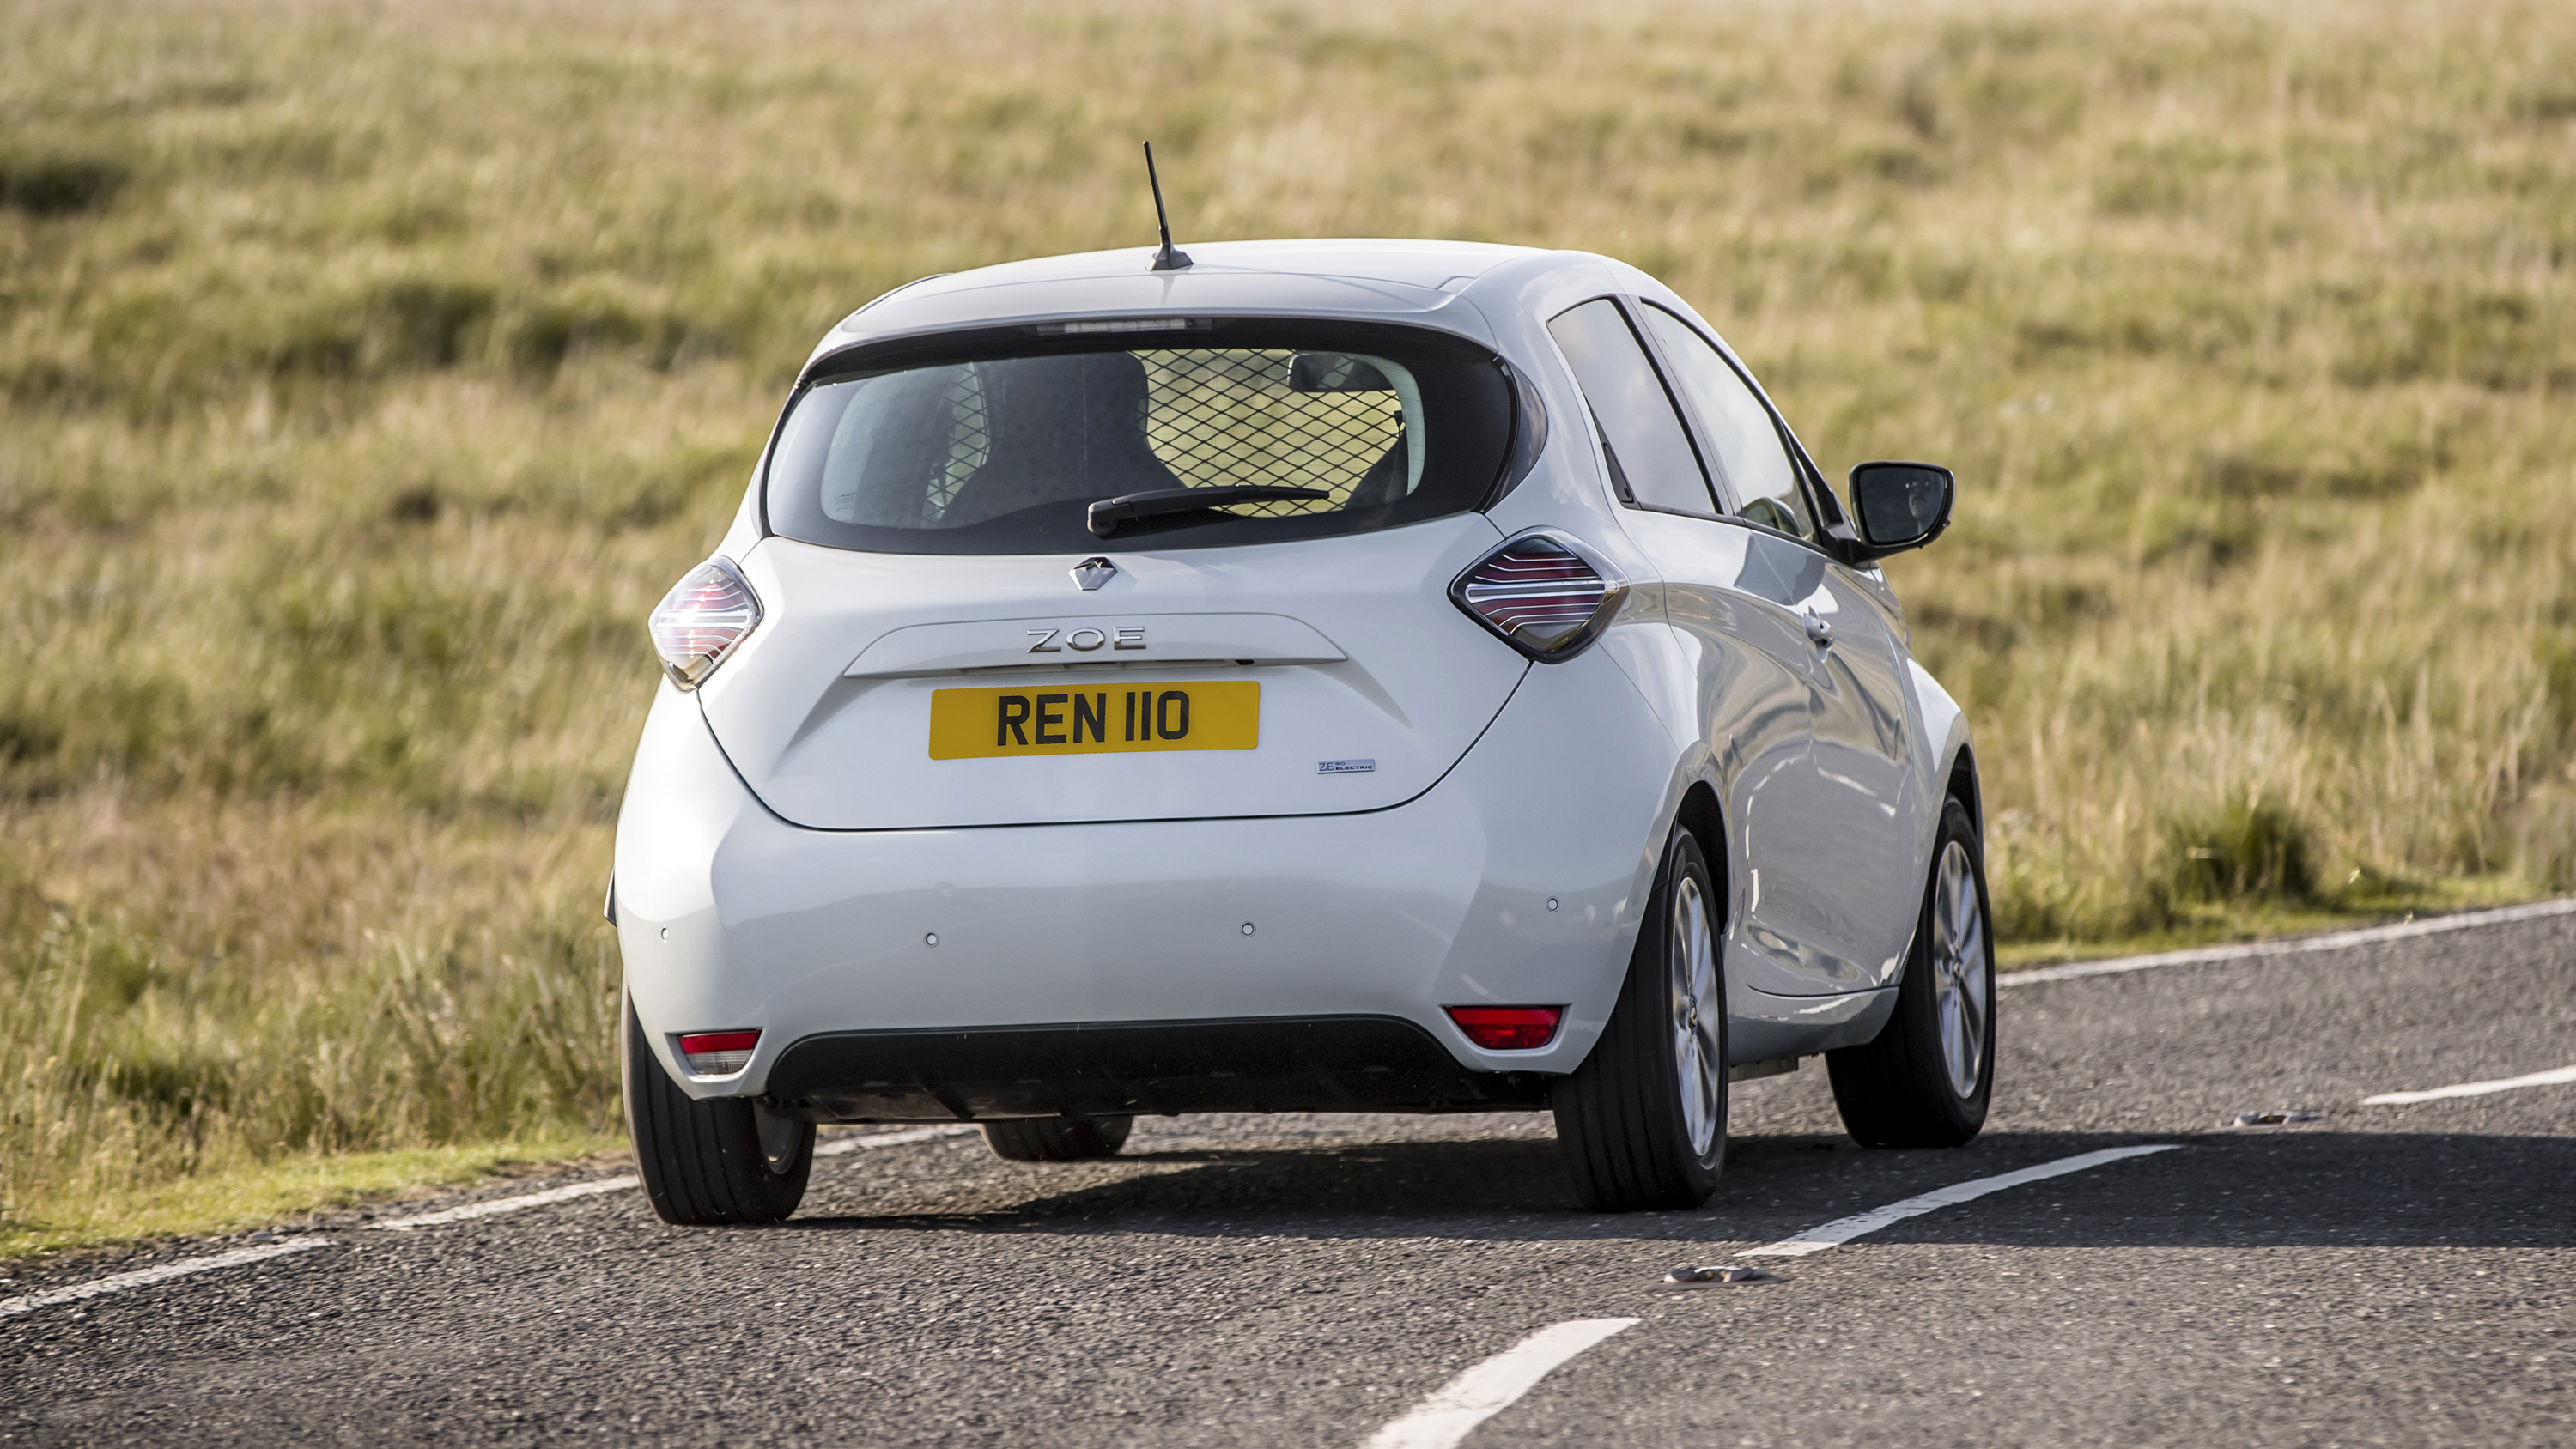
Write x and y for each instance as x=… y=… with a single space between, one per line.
x=968 y=724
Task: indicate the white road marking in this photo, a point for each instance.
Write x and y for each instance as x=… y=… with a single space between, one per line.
x=1480 y=1393
x=1843 y=1230
x=839 y=1145
x=619 y=1184
x=144 y=1277
x=2559 y=1077
x=2402 y=931
x=474 y=1210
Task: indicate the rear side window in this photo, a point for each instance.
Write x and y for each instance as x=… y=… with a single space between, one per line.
x=1650 y=456
x=1002 y=446
x=1737 y=425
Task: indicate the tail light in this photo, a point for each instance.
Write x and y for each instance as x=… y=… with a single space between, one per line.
x=718 y=1053
x=700 y=621
x=1545 y=594
x=1508 y=1028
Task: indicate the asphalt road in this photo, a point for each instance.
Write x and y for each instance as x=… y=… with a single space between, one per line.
x=2396 y=1274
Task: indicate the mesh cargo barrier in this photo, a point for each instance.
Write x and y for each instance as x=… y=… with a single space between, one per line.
x=1219 y=416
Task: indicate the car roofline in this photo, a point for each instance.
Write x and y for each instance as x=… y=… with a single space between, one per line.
x=832 y=355
x=1445 y=270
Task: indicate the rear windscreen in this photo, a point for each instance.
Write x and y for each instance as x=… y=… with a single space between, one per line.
x=1000 y=444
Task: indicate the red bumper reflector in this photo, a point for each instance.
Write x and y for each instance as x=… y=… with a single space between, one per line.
x=718 y=1053
x=719 y=1041
x=1508 y=1028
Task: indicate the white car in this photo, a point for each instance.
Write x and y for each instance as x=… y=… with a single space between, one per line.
x=1316 y=676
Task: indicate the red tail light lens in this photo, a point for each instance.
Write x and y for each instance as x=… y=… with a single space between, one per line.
x=1508 y=1028
x=1545 y=594
x=718 y=1053
x=700 y=621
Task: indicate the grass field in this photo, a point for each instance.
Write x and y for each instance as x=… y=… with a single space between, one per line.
x=368 y=370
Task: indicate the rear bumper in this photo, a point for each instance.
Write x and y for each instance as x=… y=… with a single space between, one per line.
x=731 y=918
x=1310 y=1064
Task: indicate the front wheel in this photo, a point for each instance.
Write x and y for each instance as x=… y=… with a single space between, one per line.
x=1642 y=1122
x=1928 y=1077
x=723 y=1160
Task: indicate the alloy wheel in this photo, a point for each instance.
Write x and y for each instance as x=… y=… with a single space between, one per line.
x=1698 y=1062
x=1961 y=987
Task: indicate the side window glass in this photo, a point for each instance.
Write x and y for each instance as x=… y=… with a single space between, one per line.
x=1748 y=444
x=1649 y=451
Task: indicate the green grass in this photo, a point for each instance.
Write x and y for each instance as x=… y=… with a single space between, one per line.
x=259 y=1194
x=366 y=372
x=2233 y=922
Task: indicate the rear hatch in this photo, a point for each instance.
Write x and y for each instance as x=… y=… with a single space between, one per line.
x=957 y=630
x=1369 y=685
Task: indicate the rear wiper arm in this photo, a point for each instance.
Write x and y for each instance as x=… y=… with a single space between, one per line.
x=1109 y=513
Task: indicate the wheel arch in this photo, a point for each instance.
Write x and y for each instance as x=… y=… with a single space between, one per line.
x=1701 y=814
x=1945 y=730
x=1964 y=785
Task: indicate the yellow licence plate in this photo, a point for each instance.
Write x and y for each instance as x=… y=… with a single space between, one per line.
x=968 y=724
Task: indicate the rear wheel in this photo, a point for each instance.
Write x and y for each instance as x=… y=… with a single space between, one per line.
x=1057 y=1139
x=1642 y=1122
x=1927 y=1078
x=723 y=1160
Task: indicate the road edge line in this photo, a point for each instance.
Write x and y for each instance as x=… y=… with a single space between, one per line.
x=840 y=1146
x=2296 y=945
x=470 y=1211
x=159 y=1272
x=497 y=1206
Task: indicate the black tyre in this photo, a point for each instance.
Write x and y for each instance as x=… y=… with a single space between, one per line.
x=1057 y=1139
x=1925 y=1081
x=727 y=1160
x=1642 y=1122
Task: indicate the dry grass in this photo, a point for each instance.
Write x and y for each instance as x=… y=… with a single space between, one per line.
x=368 y=369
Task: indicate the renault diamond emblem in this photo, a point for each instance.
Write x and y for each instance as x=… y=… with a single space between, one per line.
x=1092 y=572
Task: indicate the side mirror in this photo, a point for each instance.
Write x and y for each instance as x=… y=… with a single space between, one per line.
x=1900 y=505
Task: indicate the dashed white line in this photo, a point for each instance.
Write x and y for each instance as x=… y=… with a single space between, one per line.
x=2336 y=941
x=1480 y=1393
x=839 y=1145
x=1843 y=1230
x=2560 y=1077
x=1445 y=1418
x=143 y=1277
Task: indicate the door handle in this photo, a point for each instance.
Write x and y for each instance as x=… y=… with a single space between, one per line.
x=1820 y=631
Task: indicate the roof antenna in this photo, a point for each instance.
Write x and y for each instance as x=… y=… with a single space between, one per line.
x=1170 y=258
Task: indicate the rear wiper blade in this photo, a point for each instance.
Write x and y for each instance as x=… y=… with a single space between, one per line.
x=1109 y=513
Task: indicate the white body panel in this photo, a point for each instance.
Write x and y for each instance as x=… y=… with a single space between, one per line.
x=1499 y=854
x=729 y=916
